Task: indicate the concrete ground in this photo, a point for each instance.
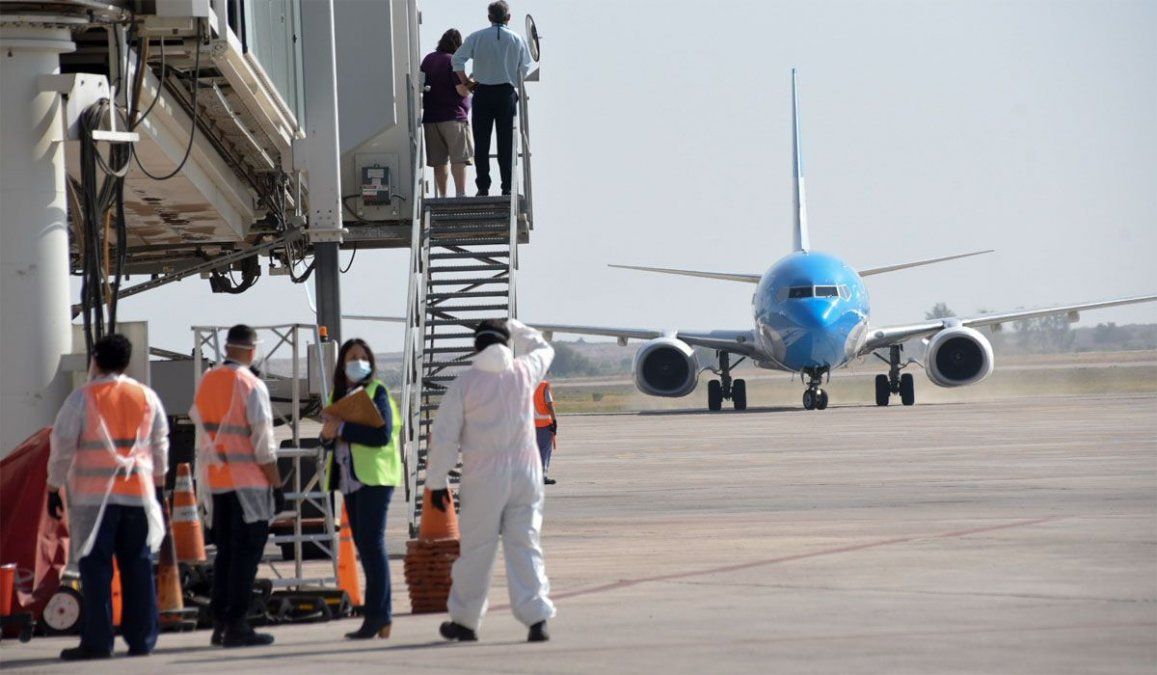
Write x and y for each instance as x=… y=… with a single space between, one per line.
x=1006 y=536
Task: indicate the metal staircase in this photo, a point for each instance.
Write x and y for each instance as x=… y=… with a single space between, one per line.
x=463 y=269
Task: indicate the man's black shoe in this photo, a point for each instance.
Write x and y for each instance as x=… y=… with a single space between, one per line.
x=456 y=631
x=548 y=481
x=506 y=193
x=139 y=652
x=245 y=637
x=538 y=633
x=82 y=654
x=483 y=193
x=218 y=634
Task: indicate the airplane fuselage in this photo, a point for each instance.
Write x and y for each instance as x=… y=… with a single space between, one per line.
x=811 y=312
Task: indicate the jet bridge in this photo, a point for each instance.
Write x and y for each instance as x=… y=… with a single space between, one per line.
x=149 y=141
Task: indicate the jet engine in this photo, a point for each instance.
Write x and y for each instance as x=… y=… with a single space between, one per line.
x=958 y=356
x=666 y=367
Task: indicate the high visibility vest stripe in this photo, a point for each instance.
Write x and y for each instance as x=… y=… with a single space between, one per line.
x=228 y=429
x=542 y=416
x=101 y=445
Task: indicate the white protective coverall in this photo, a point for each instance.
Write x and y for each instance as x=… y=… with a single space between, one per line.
x=488 y=414
x=79 y=433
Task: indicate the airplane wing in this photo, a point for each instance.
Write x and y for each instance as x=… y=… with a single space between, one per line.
x=735 y=341
x=725 y=276
x=890 y=335
x=903 y=266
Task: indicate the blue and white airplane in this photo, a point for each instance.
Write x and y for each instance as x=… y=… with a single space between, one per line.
x=812 y=316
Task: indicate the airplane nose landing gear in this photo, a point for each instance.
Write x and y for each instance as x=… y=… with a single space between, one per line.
x=815 y=398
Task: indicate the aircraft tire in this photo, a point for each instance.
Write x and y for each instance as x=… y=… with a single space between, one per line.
x=739 y=394
x=714 y=396
x=822 y=400
x=907 y=389
x=883 y=390
x=809 y=400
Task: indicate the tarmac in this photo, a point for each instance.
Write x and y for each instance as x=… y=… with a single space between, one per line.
x=1017 y=535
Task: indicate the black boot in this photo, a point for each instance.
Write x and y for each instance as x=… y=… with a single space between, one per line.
x=371 y=628
x=218 y=633
x=241 y=635
x=456 y=631
x=82 y=654
x=538 y=633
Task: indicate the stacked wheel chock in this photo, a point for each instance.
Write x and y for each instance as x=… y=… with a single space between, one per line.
x=430 y=557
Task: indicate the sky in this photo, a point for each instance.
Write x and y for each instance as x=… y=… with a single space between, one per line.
x=661 y=135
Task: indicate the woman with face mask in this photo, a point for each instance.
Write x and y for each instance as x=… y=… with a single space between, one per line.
x=366 y=466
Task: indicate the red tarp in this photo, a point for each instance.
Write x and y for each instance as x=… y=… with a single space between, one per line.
x=37 y=543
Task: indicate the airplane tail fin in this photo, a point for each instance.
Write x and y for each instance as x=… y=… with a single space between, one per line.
x=801 y=237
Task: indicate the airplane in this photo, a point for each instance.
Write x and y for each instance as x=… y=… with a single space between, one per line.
x=811 y=314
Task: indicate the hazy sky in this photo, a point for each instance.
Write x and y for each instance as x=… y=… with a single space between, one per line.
x=661 y=134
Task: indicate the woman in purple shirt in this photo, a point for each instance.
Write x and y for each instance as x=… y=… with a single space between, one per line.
x=445 y=117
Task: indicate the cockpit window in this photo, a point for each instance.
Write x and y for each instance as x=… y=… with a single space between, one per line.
x=827 y=292
x=799 y=292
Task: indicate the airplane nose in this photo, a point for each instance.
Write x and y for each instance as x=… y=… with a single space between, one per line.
x=813 y=313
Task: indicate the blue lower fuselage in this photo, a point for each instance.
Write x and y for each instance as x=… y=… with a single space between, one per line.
x=811 y=311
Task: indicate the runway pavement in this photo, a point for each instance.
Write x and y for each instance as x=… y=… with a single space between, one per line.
x=1016 y=535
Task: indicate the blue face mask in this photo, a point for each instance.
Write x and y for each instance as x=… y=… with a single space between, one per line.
x=358 y=370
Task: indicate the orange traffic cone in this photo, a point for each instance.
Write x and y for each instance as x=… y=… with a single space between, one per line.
x=117 y=601
x=437 y=524
x=430 y=558
x=169 y=598
x=186 y=522
x=347 y=561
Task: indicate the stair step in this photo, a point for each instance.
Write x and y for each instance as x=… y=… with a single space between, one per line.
x=462 y=255
x=490 y=216
x=450 y=309
x=466 y=294
x=433 y=379
x=449 y=336
x=446 y=240
x=452 y=322
x=489 y=281
x=449 y=350
x=448 y=364
x=468 y=268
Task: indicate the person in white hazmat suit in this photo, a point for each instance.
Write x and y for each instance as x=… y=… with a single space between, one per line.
x=488 y=414
x=110 y=448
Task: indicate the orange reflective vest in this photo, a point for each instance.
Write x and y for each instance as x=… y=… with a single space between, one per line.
x=542 y=399
x=117 y=413
x=221 y=403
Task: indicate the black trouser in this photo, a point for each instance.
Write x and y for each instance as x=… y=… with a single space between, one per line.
x=240 y=546
x=367 y=510
x=494 y=104
x=123 y=532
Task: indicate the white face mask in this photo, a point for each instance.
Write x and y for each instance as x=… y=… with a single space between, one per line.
x=357 y=370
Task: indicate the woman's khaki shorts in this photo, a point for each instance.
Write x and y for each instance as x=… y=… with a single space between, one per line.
x=448 y=142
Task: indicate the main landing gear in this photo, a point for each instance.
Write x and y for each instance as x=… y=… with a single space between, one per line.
x=725 y=388
x=815 y=398
x=894 y=382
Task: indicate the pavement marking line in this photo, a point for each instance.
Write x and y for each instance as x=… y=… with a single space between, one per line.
x=627 y=583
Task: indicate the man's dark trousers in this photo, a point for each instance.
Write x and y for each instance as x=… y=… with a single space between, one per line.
x=123 y=532
x=240 y=546
x=494 y=104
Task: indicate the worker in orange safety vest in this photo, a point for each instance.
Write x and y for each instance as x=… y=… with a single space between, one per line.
x=110 y=448
x=545 y=427
x=237 y=462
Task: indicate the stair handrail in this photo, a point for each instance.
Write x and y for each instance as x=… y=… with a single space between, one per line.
x=411 y=352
